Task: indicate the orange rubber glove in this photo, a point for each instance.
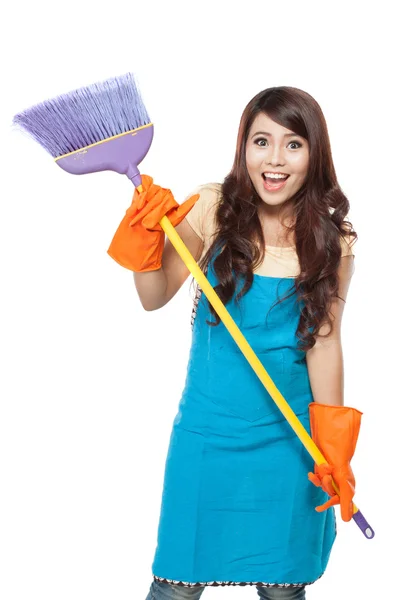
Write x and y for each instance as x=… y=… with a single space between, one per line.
x=335 y=429
x=138 y=243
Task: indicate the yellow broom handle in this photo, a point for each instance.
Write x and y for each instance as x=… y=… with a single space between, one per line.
x=249 y=353
x=241 y=341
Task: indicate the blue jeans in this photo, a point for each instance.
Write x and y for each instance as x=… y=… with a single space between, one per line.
x=167 y=591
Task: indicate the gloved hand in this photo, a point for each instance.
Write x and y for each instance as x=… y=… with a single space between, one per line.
x=335 y=429
x=138 y=243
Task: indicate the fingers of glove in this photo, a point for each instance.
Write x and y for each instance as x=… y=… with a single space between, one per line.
x=346 y=505
x=331 y=502
x=324 y=472
x=314 y=479
x=347 y=491
x=161 y=205
x=138 y=201
x=142 y=195
x=325 y=483
x=182 y=210
x=151 y=205
x=347 y=511
x=145 y=187
x=147 y=182
x=323 y=469
x=156 y=190
x=345 y=473
x=154 y=209
x=345 y=501
x=345 y=480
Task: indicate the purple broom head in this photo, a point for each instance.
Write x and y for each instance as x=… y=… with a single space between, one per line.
x=104 y=126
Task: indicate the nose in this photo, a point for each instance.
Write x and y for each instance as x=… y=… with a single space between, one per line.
x=274 y=156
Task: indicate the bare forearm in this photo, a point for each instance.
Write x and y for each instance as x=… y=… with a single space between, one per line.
x=326 y=372
x=151 y=287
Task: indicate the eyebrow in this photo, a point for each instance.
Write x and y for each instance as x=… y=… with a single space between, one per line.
x=266 y=133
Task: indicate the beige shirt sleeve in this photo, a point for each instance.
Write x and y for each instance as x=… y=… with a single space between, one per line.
x=201 y=218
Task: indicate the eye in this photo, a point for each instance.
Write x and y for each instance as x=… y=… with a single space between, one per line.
x=262 y=139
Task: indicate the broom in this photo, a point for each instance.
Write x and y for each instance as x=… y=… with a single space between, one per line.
x=105 y=126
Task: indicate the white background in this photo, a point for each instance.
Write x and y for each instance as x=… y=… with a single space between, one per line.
x=90 y=381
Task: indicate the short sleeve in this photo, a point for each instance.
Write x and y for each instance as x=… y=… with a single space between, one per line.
x=201 y=217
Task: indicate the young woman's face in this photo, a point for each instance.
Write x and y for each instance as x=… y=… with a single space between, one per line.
x=271 y=148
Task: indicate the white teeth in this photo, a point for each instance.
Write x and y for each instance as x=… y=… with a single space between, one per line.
x=274 y=175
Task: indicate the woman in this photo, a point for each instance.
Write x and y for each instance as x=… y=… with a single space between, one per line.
x=237 y=507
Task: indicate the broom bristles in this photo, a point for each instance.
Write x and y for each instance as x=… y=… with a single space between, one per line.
x=85 y=116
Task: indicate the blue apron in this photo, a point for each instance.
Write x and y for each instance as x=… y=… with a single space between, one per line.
x=237 y=507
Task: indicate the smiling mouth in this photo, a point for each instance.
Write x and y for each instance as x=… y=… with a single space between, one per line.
x=274 y=184
x=273 y=180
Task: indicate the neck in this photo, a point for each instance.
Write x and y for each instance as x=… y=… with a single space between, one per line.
x=276 y=222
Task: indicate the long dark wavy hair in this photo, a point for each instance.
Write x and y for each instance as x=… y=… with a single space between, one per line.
x=320 y=208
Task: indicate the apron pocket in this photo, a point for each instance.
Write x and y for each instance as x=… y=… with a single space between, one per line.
x=235 y=387
x=299 y=379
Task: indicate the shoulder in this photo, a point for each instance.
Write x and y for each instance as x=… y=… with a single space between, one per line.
x=210 y=193
x=201 y=216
